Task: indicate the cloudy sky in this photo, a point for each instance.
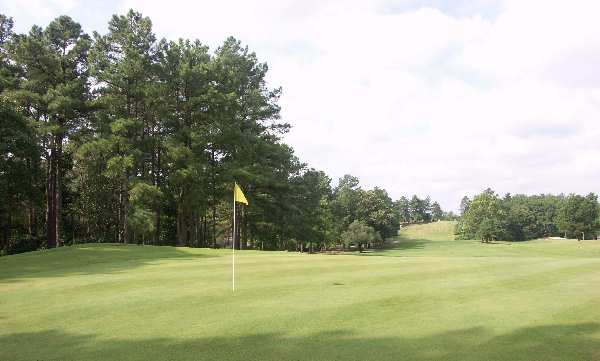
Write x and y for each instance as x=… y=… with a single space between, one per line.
x=433 y=97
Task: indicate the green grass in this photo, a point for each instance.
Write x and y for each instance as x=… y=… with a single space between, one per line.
x=427 y=298
x=437 y=239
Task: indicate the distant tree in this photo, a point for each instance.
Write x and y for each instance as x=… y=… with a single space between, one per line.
x=344 y=204
x=426 y=207
x=376 y=209
x=310 y=219
x=373 y=207
x=450 y=216
x=359 y=234
x=519 y=221
x=530 y=217
x=436 y=212
x=578 y=216
x=418 y=210
x=489 y=229
x=484 y=207
x=545 y=208
x=521 y=217
x=464 y=205
x=402 y=207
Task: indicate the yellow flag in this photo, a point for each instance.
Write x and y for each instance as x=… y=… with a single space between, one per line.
x=238 y=195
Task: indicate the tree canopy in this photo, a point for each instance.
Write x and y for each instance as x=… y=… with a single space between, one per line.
x=124 y=137
x=521 y=217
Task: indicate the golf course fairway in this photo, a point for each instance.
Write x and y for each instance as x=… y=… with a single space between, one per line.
x=426 y=297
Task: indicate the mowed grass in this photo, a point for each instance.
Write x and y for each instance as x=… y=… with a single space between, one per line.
x=437 y=239
x=428 y=298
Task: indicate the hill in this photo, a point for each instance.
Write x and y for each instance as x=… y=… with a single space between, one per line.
x=437 y=239
x=423 y=300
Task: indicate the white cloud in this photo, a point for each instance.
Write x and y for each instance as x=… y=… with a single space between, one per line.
x=425 y=97
x=38 y=10
x=419 y=101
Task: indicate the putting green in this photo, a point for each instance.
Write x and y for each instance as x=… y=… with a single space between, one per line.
x=428 y=298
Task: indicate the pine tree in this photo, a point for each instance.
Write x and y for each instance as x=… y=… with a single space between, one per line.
x=53 y=93
x=123 y=63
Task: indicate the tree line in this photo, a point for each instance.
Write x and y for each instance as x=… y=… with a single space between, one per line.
x=123 y=137
x=520 y=217
x=417 y=210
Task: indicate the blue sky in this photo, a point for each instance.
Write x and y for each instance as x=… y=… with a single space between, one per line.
x=439 y=98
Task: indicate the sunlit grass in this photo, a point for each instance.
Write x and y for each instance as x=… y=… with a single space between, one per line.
x=436 y=299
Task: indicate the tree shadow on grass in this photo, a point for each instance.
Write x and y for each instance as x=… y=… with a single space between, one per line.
x=405 y=243
x=89 y=259
x=548 y=343
x=402 y=243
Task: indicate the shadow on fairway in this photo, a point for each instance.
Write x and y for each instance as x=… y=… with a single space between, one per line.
x=89 y=259
x=404 y=244
x=549 y=343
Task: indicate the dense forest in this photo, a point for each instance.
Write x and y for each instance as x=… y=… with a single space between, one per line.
x=121 y=137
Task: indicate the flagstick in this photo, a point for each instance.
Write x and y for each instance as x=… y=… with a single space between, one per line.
x=233 y=248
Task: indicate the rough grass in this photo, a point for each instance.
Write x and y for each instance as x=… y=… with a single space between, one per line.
x=435 y=299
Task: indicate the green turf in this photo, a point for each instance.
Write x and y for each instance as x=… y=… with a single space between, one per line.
x=435 y=299
x=437 y=239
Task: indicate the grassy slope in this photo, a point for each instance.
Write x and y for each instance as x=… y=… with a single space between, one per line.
x=437 y=239
x=439 y=299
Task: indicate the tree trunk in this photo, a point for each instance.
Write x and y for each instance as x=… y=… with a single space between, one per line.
x=125 y=217
x=214 y=224
x=123 y=212
x=4 y=227
x=158 y=227
x=31 y=223
x=213 y=197
x=205 y=230
x=120 y=215
x=51 y=198
x=197 y=229
x=157 y=182
x=188 y=234
x=178 y=225
x=57 y=190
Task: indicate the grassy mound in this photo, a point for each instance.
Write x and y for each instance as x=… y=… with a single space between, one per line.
x=438 y=299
